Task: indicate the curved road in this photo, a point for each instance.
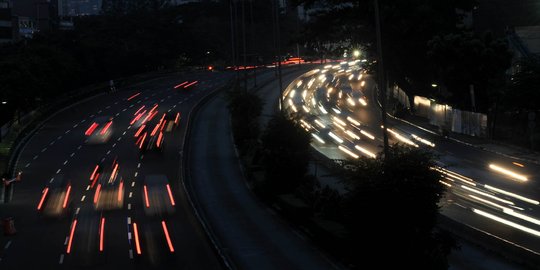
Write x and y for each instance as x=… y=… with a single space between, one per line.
x=85 y=236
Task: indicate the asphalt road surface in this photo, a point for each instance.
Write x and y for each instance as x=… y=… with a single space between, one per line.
x=112 y=228
x=499 y=202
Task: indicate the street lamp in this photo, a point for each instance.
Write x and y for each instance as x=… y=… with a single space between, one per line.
x=4 y=102
x=356 y=53
x=434 y=85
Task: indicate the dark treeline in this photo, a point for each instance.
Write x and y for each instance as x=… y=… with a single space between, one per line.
x=131 y=39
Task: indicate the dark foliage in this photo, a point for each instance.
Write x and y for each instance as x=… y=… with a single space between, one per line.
x=245 y=108
x=286 y=148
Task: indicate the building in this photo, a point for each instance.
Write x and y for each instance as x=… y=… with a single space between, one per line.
x=7 y=27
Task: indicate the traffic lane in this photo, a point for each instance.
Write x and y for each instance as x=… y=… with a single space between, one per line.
x=248 y=232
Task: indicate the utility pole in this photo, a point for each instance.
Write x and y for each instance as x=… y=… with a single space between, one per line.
x=233 y=49
x=278 y=50
x=244 y=43
x=381 y=82
x=254 y=41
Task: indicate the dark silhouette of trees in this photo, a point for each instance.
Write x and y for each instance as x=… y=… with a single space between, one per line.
x=286 y=153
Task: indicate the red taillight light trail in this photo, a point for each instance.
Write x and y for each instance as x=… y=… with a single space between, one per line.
x=120 y=189
x=66 y=197
x=107 y=126
x=134 y=96
x=96 y=195
x=137 y=243
x=153 y=109
x=113 y=174
x=137 y=118
x=166 y=231
x=71 y=236
x=95 y=180
x=152 y=116
x=190 y=84
x=91 y=129
x=159 y=139
x=139 y=110
x=45 y=192
x=94 y=173
x=170 y=194
x=147 y=202
x=155 y=129
x=177 y=117
x=101 y=234
x=142 y=141
x=139 y=131
x=163 y=125
x=180 y=85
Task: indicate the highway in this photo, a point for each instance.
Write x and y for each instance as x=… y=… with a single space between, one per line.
x=90 y=198
x=249 y=233
x=489 y=192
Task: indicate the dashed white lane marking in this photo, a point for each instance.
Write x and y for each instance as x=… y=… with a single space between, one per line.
x=116 y=103
x=27 y=165
x=51 y=143
x=117 y=114
x=174 y=106
x=35 y=157
x=129 y=235
x=142 y=156
x=59 y=137
x=44 y=149
x=77 y=211
x=92 y=115
x=138 y=165
x=52 y=179
x=169 y=96
x=133 y=184
x=169 y=110
x=61 y=259
x=79 y=147
x=72 y=154
x=131 y=106
x=76 y=125
x=130 y=194
x=88 y=188
x=124 y=133
x=99 y=111
x=136 y=173
x=58 y=171
x=129 y=220
x=84 y=120
x=102 y=159
x=83 y=197
x=153 y=94
x=131 y=254
x=129 y=206
x=65 y=162
x=7 y=244
x=108 y=152
x=114 y=145
x=124 y=110
x=162 y=100
x=66 y=241
x=108 y=107
x=129 y=127
x=119 y=138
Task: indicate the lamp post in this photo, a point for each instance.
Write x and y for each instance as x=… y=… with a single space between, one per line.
x=382 y=81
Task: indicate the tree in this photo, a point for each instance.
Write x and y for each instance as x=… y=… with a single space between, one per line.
x=523 y=91
x=286 y=152
x=245 y=108
x=463 y=59
x=392 y=209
